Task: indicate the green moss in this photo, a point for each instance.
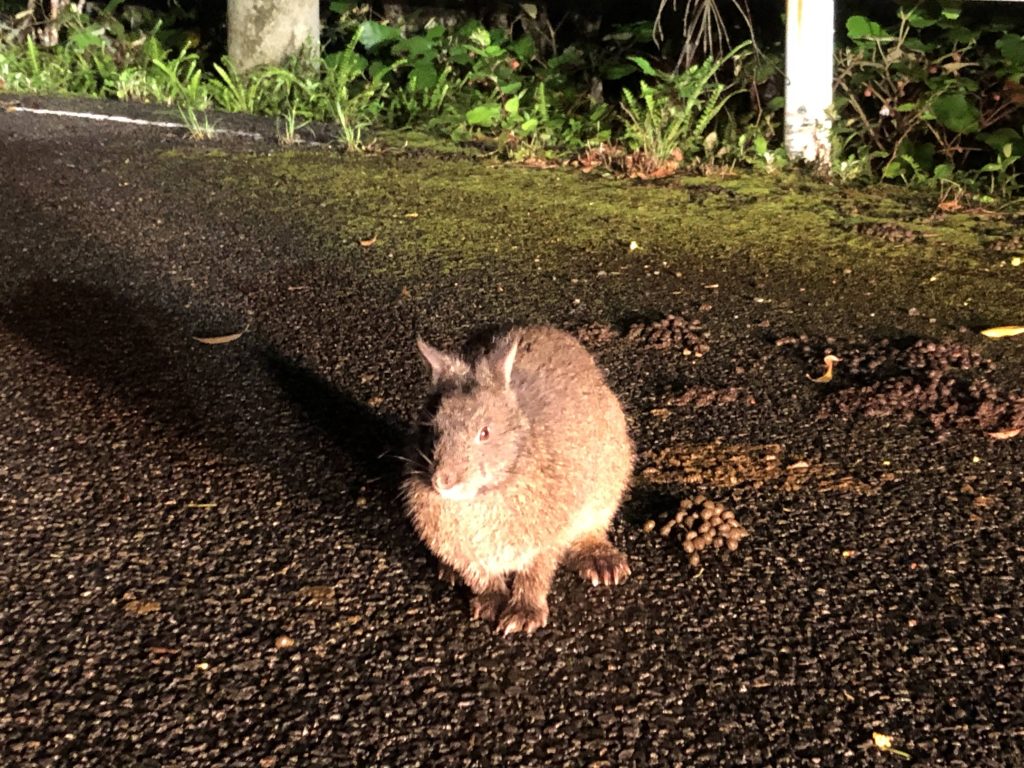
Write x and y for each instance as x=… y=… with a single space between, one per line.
x=837 y=260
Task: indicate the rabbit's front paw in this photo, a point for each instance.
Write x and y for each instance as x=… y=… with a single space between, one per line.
x=520 y=617
x=599 y=563
x=488 y=605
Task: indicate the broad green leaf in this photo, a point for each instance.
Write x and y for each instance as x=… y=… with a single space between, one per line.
x=918 y=17
x=893 y=169
x=951 y=9
x=618 y=71
x=958 y=34
x=418 y=46
x=480 y=37
x=373 y=33
x=953 y=111
x=1001 y=138
x=424 y=76
x=860 y=27
x=523 y=48
x=84 y=38
x=529 y=9
x=1012 y=48
x=644 y=65
x=529 y=125
x=485 y=115
x=512 y=105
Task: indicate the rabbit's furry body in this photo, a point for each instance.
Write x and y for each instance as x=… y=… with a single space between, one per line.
x=523 y=460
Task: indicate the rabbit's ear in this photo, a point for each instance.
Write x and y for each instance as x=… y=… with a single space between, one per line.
x=507 y=359
x=442 y=364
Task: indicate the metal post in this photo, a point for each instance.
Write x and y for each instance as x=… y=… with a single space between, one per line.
x=809 y=52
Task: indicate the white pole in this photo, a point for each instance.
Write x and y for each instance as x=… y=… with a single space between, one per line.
x=809 y=51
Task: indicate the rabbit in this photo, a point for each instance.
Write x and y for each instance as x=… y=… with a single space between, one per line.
x=523 y=460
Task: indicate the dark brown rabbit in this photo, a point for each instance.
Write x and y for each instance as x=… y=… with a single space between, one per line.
x=523 y=460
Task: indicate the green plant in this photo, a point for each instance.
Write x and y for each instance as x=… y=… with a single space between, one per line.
x=1004 y=170
x=291 y=123
x=667 y=123
x=199 y=128
x=233 y=92
x=181 y=79
x=926 y=97
x=353 y=91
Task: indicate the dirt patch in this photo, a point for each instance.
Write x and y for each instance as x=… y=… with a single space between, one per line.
x=946 y=383
x=596 y=334
x=715 y=464
x=668 y=332
x=742 y=467
x=671 y=332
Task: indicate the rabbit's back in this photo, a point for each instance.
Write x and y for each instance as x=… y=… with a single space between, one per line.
x=579 y=436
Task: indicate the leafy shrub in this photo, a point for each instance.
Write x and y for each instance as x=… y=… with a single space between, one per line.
x=930 y=96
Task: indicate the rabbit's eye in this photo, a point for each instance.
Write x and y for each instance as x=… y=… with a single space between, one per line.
x=485 y=433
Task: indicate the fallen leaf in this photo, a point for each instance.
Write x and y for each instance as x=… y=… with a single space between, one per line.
x=1003 y=330
x=226 y=339
x=159 y=650
x=1004 y=434
x=141 y=607
x=195 y=505
x=368 y=241
x=412 y=215
x=633 y=245
x=798 y=465
x=826 y=377
x=949 y=206
x=884 y=743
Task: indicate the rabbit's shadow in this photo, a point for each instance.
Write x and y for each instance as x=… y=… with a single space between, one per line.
x=374 y=444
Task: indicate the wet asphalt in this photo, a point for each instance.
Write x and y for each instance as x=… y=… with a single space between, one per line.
x=204 y=562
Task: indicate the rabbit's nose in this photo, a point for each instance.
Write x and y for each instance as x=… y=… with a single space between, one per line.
x=445 y=480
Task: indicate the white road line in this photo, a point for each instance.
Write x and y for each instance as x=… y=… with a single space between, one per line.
x=131 y=121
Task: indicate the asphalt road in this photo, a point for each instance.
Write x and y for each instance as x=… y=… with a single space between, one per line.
x=203 y=560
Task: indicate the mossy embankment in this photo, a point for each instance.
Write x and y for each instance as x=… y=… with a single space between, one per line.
x=824 y=259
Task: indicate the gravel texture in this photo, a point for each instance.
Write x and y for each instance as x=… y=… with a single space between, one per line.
x=203 y=561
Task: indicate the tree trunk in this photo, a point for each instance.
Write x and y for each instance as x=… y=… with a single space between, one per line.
x=268 y=32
